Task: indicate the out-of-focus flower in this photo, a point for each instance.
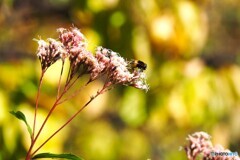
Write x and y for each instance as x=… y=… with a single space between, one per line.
x=199 y=143
x=200 y=147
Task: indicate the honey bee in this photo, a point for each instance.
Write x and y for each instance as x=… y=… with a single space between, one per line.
x=138 y=64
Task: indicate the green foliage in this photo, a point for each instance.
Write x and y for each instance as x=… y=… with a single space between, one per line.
x=51 y=155
x=184 y=96
x=21 y=116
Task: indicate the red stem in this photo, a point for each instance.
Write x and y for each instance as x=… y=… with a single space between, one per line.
x=68 y=121
x=60 y=78
x=49 y=113
x=35 y=113
x=73 y=95
x=36 y=107
x=43 y=124
x=66 y=88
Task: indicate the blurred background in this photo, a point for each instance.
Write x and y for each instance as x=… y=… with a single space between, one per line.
x=192 y=52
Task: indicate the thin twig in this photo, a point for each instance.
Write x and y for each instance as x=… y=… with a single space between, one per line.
x=73 y=94
x=37 y=100
x=60 y=78
x=42 y=126
x=35 y=115
x=66 y=88
x=67 y=80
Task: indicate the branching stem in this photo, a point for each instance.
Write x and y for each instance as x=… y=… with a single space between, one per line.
x=69 y=120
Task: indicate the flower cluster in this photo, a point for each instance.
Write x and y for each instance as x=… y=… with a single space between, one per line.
x=73 y=45
x=49 y=52
x=200 y=146
x=117 y=70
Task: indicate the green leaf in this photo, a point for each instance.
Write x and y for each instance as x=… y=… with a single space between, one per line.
x=51 y=155
x=21 y=116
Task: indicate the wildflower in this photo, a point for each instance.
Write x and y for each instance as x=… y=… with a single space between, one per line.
x=199 y=143
x=72 y=38
x=201 y=146
x=49 y=52
x=81 y=60
x=105 y=62
x=117 y=70
x=103 y=58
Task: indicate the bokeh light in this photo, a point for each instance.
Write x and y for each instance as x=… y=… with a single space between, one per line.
x=191 y=49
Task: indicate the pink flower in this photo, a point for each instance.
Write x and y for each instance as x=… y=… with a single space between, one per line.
x=71 y=38
x=49 y=52
x=200 y=146
x=118 y=70
x=105 y=62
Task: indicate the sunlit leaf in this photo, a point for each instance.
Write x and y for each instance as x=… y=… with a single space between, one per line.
x=21 y=116
x=51 y=155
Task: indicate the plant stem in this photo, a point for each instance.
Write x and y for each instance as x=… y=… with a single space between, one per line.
x=56 y=103
x=60 y=78
x=35 y=114
x=36 y=107
x=43 y=124
x=69 y=120
x=73 y=95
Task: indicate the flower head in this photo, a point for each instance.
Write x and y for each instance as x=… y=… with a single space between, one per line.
x=201 y=146
x=199 y=143
x=71 y=38
x=49 y=52
x=117 y=70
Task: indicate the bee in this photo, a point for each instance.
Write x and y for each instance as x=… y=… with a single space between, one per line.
x=138 y=64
